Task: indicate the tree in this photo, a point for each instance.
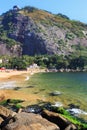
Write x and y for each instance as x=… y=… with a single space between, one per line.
x=77 y=63
x=63 y=16
x=18 y=63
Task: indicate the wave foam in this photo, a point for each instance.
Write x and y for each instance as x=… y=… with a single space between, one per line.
x=27 y=78
x=77 y=111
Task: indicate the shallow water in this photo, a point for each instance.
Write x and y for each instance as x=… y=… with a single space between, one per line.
x=72 y=86
x=69 y=88
x=7 y=85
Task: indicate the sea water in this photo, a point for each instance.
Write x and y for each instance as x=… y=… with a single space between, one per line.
x=72 y=87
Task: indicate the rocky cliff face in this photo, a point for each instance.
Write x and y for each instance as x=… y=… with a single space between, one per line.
x=30 y=31
x=13 y=51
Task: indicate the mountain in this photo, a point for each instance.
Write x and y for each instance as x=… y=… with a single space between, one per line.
x=31 y=31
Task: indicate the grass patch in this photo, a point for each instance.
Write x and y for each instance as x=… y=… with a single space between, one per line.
x=13 y=104
x=82 y=125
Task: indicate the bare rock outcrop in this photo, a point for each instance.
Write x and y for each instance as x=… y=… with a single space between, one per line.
x=48 y=120
x=4 y=113
x=56 y=118
x=28 y=121
x=37 y=32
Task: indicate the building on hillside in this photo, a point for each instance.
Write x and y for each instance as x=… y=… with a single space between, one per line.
x=15 y=8
x=33 y=66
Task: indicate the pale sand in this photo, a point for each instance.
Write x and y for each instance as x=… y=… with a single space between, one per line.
x=12 y=94
x=12 y=73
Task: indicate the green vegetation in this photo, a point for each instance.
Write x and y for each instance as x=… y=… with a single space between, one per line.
x=51 y=62
x=29 y=9
x=60 y=20
x=7 y=21
x=13 y=104
x=63 y=16
x=61 y=42
x=75 y=59
x=61 y=62
x=82 y=125
x=70 y=36
x=6 y=28
x=13 y=101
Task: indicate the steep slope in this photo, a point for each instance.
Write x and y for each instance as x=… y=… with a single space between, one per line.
x=30 y=31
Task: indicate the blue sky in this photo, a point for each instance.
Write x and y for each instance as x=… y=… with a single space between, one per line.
x=74 y=9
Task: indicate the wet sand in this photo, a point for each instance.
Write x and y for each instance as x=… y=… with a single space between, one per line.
x=20 y=77
x=11 y=94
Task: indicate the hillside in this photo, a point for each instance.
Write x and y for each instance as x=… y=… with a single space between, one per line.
x=30 y=31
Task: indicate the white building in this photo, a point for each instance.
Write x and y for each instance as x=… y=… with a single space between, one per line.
x=0 y=61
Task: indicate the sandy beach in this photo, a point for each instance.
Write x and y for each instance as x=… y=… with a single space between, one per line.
x=7 y=74
x=12 y=75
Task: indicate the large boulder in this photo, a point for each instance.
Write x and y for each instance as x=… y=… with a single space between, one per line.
x=4 y=113
x=56 y=118
x=71 y=127
x=28 y=121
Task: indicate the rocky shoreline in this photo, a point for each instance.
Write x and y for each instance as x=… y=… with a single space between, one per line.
x=35 y=117
x=48 y=120
x=66 y=70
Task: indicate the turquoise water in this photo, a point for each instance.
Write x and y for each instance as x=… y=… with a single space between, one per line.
x=72 y=86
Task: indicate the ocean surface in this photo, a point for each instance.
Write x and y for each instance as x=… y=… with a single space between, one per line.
x=71 y=88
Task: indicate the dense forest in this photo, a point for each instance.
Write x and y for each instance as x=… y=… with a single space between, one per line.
x=46 y=61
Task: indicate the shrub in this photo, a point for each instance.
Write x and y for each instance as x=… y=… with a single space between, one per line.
x=69 y=36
